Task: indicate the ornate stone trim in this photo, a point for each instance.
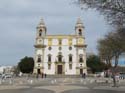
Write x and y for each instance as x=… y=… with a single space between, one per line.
x=39 y=46
x=80 y=46
x=59 y=62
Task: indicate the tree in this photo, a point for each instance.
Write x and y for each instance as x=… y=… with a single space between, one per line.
x=113 y=10
x=105 y=52
x=112 y=46
x=16 y=70
x=26 y=65
x=94 y=62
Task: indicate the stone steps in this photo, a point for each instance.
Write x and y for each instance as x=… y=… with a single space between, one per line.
x=63 y=76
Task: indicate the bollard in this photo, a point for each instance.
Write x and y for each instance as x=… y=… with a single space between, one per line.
x=55 y=80
x=106 y=81
x=31 y=81
x=52 y=81
x=28 y=81
x=91 y=81
x=95 y=81
x=3 y=80
x=10 y=81
x=81 y=80
x=84 y=83
x=0 y=82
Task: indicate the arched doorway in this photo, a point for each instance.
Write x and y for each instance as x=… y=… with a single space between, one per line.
x=81 y=71
x=60 y=64
x=59 y=69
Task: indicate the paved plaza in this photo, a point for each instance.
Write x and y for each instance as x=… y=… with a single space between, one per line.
x=60 y=85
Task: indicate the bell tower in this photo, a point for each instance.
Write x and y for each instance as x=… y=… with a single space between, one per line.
x=41 y=29
x=40 y=47
x=79 y=28
x=41 y=32
x=80 y=47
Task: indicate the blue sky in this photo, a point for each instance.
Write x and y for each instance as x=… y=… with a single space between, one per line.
x=121 y=60
x=19 y=18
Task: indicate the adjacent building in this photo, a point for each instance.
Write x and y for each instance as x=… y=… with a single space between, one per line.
x=5 y=69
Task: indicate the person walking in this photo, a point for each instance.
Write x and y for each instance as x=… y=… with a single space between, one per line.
x=84 y=75
x=45 y=75
x=42 y=74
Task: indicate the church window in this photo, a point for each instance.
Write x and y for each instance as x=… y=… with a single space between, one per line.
x=70 y=66
x=80 y=32
x=80 y=65
x=39 y=58
x=70 y=48
x=40 y=32
x=49 y=58
x=60 y=48
x=60 y=58
x=49 y=48
x=49 y=66
x=80 y=58
x=70 y=58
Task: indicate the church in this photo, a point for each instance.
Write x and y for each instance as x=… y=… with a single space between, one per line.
x=60 y=54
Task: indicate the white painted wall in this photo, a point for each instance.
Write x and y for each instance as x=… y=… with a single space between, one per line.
x=65 y=53
x=54 y=53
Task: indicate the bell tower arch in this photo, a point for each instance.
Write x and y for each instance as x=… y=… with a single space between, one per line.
x=79 y=28
x=41 y=29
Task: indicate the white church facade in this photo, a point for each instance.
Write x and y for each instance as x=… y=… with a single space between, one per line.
x=60 y=54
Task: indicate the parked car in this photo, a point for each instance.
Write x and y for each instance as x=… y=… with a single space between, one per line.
x=5 y=76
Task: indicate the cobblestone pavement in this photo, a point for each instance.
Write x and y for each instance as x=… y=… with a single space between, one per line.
x=60 y=85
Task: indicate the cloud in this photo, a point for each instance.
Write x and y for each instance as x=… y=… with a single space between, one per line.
x=19 y=19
